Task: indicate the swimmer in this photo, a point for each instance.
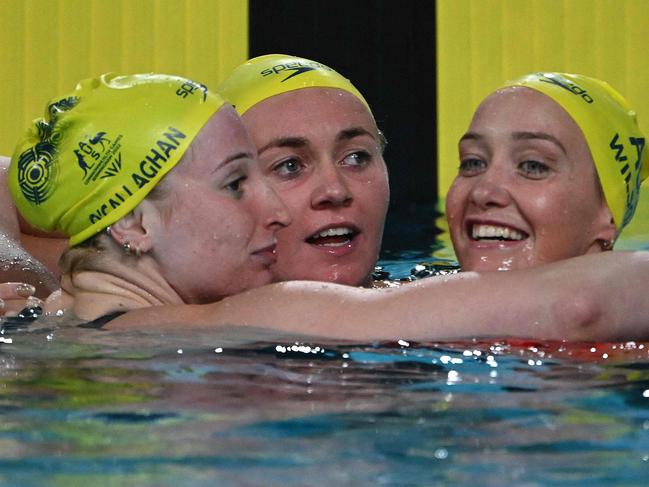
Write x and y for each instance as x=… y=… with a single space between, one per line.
x=320 y=149
x=194 y=248
x=550 y=168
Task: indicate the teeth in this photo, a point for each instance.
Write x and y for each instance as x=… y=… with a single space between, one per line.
x=491 y=231
x=334 y=232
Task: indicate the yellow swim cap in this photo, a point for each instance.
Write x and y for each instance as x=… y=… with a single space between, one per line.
x=611 y=131
x=273 y=74
x=102 y=148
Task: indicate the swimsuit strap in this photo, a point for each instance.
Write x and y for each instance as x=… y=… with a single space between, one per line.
x=99 y=323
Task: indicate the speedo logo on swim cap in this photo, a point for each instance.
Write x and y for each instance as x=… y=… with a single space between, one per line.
x=296 y=68
x=99 y=156
x=189 y=87
x=568 y=86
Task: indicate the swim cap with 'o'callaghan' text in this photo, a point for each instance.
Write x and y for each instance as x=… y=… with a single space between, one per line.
x=265 y=76
x=611 y=131
x=101 y=149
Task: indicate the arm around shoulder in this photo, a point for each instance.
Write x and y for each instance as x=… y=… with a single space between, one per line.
x=596 y=297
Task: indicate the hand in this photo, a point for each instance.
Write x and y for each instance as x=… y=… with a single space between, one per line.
x=16 y=296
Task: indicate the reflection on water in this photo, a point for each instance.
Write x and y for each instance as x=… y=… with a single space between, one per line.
x=242 y=407
x=90 y=407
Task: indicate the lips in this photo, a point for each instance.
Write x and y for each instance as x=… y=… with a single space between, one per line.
x=503 y=233
x=333 y=236
x=267 y=254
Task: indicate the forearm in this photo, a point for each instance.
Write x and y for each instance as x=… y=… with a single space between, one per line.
x=597 y=297
x=25 y=258
x=17 y=265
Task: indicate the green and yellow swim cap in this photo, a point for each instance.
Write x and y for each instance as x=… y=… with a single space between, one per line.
x=611 y=131
x=273 y=74
x=101 y=149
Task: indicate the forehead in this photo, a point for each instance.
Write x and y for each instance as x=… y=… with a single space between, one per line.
x=223 y=135
x=523 y=109
x=308 y=111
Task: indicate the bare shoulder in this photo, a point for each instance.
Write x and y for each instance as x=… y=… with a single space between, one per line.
x=164 y=317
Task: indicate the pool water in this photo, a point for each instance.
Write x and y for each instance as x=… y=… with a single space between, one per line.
x=247 y=408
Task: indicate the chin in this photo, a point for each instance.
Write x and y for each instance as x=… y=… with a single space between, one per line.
x=349 y=278
x=328 y=274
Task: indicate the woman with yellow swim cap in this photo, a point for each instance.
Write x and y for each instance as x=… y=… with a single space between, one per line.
x=550 y=168
x=94 y=169
x=320 y=149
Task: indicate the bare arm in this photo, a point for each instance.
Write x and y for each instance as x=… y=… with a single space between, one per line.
x=595 y=297
x=18 y=262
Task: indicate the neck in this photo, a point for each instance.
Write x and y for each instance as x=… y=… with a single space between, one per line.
x=117 y=283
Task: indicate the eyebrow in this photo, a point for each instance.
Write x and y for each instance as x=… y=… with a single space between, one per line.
x=296 y=142
x=232 y=158
x=350 y=133
x=539 y=135
x=285 y=142
x=520 y=136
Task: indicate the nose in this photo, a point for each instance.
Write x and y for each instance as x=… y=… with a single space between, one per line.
x=490 y=190
x=331 y=189
x=274 y=213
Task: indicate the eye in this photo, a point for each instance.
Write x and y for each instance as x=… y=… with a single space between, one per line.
x=472 y=166
x=287 y=168
x=358 y=158
x=235 y=186
x=534 y=169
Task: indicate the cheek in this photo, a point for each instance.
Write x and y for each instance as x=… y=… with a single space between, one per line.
x=373 y=188
x=297 y=202
x=455 y=201
x=553 y=207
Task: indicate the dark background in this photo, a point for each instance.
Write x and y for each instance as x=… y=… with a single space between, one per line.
x=387 y=49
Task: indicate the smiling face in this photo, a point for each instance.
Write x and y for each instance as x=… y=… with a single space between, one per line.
x=320 y=150
x=215 y=234
x=527 y=192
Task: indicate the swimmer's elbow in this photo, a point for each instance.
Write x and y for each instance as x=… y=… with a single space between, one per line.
x=579 y=317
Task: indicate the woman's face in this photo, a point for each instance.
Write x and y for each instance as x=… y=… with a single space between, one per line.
x=216 y=234
x=526 y=191
x=320 y=150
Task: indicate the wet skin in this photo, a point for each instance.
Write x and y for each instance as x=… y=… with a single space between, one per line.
x=527 y=191
x=323 y=156
x=215 y=233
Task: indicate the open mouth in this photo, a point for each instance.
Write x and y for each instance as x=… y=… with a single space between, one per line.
x=333 y=237
x=480 y=232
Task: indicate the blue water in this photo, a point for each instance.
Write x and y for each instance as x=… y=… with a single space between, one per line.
x=245 y=408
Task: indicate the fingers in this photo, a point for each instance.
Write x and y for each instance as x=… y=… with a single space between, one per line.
x=16 y=290
x=16 y=296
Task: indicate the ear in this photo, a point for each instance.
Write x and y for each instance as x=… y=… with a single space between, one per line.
x=605 y=231
x=135 y=230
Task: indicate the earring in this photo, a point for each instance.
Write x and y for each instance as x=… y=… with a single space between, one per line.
x=128 y=248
